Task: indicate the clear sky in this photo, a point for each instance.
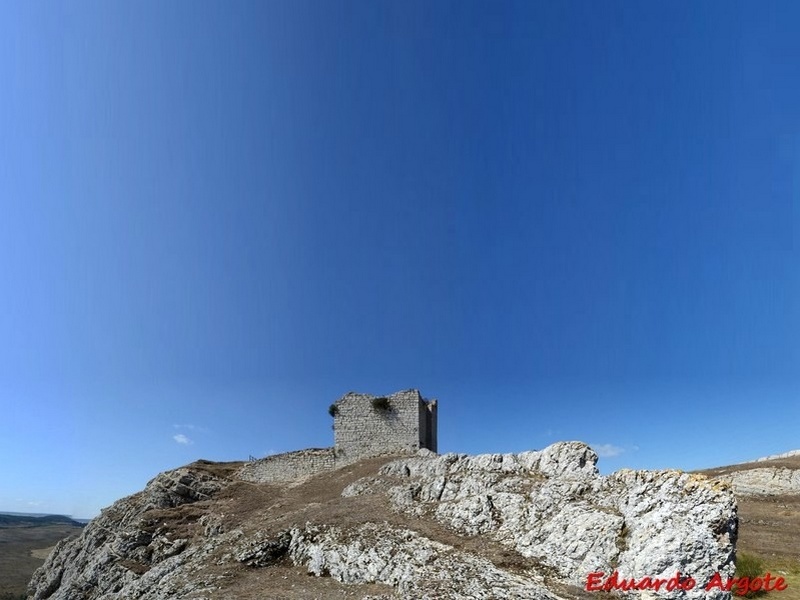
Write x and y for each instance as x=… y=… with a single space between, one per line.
x=564 y=220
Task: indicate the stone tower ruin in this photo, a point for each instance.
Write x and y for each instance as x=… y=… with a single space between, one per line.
x=366 y=425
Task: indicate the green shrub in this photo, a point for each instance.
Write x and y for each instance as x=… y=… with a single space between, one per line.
x=333 y=410
x=381 y=403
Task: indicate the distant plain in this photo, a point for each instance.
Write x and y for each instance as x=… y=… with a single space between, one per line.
x=25 y=542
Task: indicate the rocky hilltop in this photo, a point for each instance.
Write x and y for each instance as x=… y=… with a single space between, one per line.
x=524 y=526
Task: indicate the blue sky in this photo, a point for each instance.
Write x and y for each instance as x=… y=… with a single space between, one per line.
x=564 y=220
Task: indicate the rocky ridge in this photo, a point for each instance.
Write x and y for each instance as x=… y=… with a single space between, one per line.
x=774 y=475
x=789 y=454
x=529 y=525
x=767 y=481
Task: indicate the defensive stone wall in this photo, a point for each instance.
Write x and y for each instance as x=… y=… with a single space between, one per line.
x=289 y=466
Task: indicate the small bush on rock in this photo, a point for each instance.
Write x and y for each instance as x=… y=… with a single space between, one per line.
x=381 y=403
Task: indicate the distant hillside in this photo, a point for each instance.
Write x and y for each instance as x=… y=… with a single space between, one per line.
x=788 y=454
x=787 y=460
x=22 y=520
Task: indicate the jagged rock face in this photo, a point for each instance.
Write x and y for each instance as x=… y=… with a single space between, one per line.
x=768 y=481
x=550 y=509
x=554 y=506
x=121 y=555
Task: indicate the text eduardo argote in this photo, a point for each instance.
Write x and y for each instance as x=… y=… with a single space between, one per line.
x=598 y=582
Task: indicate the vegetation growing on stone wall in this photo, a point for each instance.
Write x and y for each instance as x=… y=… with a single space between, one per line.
x=381 y=404
x=333 y=410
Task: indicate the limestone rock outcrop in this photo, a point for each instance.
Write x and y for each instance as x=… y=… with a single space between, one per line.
x=515 y=526
x=415 y=566
x=554 y=507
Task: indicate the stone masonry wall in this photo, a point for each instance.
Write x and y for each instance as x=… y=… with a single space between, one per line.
x=288 y=466
x=362 y=431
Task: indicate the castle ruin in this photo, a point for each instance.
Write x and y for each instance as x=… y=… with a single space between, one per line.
x=365 y=426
